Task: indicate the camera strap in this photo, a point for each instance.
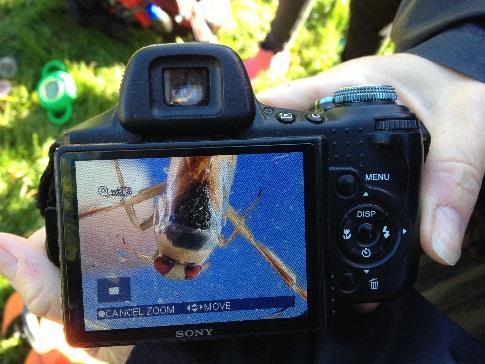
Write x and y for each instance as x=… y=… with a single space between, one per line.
x=46 y=203
x=46 y=196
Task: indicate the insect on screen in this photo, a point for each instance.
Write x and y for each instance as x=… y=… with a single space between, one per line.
x=193 y=239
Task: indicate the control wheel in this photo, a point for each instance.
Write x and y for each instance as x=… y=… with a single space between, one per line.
x=369 y=233
x=375 y=93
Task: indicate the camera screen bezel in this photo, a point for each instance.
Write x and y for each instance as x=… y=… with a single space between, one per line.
x=70 y=244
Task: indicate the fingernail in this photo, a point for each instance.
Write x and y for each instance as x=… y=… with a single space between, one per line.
x=447 y=234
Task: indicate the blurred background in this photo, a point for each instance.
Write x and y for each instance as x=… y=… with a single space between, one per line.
x=33 y=32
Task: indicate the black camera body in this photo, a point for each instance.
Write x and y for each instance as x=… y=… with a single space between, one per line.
x=191 y=210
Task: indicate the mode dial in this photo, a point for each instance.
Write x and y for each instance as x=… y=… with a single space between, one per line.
x=379 y=93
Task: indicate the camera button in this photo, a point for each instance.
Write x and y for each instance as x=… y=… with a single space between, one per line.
x=346 y=184
x=314 y=117
x=366 y=253
x=347 y=283
x=286 y=117
x=367 y=233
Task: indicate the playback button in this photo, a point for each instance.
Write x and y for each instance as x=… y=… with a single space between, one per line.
x=286 y=117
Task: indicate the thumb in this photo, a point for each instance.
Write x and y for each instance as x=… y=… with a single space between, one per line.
x=25 y=264
x=452 y=177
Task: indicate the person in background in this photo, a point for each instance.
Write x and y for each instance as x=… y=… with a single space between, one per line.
x=167 y=18
x=367 y=19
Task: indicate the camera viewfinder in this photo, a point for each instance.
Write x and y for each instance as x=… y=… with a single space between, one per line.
x=186 y=86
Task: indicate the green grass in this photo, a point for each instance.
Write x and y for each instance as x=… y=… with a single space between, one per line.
x=35 y=32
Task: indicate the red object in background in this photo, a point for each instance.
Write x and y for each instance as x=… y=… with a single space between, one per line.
x=170 y=18
x=139 y=10
x=52 y=357
x=259 y=63
x=185 y=13
x=12 y=310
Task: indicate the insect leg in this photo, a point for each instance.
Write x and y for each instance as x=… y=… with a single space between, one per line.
x=281 y=268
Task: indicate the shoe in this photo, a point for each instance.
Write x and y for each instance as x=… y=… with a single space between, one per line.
x=16 y=317
x=259 y=63
x=52 y=357
x=45 y=337
x=11 y=312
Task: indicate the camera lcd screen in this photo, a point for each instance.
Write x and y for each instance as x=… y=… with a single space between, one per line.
x=191 y=239
x=186 y=86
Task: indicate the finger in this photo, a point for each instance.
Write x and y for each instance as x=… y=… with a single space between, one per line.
x=301 y=94
x=366 y=307
x=38 y=237
x=451 y=181
x=25 y=264
x=373 y=70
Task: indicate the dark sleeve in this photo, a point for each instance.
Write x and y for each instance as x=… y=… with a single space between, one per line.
x=406 y=330
x=448 y=32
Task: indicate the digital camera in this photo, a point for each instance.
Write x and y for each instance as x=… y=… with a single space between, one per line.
x=191 y=210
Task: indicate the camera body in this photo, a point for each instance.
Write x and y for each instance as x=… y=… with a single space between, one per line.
x=191 y=210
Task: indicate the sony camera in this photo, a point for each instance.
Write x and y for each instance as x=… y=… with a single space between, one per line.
x=191 y=210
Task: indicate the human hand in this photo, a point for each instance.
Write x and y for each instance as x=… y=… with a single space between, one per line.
x=451 y=106
x=25 y=264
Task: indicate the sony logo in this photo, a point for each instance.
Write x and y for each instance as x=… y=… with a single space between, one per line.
x=193 y=333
